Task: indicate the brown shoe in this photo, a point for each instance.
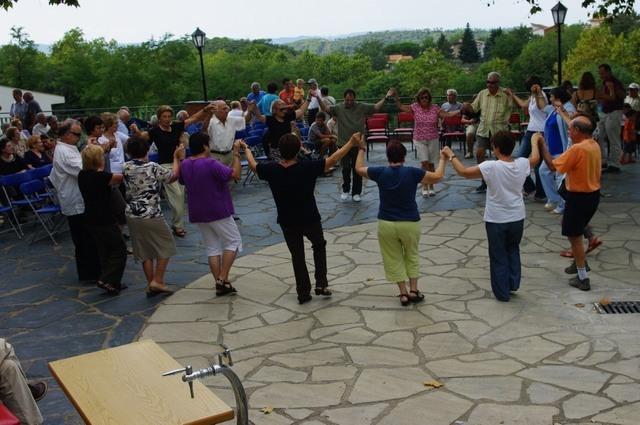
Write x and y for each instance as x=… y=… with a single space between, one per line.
x=38 y=390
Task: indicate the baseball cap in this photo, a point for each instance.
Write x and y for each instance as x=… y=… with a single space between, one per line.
x=312 y=81
x=634 y=86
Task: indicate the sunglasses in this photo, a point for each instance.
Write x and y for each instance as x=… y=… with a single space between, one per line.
x=491 y=82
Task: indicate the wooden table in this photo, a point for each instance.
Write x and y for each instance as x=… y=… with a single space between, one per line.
x=123 y=385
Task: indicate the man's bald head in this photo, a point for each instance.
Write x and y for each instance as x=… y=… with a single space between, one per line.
x=222 y=109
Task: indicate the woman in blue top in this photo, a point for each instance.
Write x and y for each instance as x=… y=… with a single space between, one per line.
x=557 y=140
x=398 y=217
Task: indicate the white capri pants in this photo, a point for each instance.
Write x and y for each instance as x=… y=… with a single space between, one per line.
x=220 y=235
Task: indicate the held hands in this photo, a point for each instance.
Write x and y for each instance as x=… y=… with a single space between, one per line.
x=446 y=152
x=237 y=144
x=508 y=92
x=536 y=89
x=179 y=152
x=356 y=140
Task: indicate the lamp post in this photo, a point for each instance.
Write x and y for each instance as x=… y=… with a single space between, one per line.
x=199 y=38
x=559 y=12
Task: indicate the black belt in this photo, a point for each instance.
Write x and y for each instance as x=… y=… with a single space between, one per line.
x=220 y=152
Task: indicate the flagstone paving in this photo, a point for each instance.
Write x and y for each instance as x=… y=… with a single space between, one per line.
x=359 y=357
x=460 y=334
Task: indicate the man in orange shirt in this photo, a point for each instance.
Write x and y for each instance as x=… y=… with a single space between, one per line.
x=287 y=93
x=582 y=165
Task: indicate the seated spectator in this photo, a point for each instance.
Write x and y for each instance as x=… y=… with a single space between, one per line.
x=452 y=103
x=52 y=122
x=95 y=186
x=49 y=146
x=298 y=91
x=15 y=139
x=324 y=95
x=287 y=92
x=41 y=126
x=35 y=156
x=3 y=128
x=236 y=109
x=256 y=94
x=10 y=163
x=320 y=135
x=124 y=116
x=24 y=133
x=15 y=392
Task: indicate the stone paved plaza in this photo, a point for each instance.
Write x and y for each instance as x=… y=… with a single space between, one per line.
x=359 y=357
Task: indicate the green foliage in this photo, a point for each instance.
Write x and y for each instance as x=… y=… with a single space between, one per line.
x=374 y=50
x=21 y=64
x=599 y=7
x=406 y=48
x=472 y=81
x=443 y=46
x=468 y=50
x=491 y=41
x=623 y=24
x=508 y=45
x=6 y=4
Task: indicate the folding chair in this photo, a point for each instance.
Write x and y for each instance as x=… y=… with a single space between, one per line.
x=259 y=132
x=241 y=134
x=514 y=125
x=44 y=211
x=11 y=185
x=304 y=133
x=405 y=127
x=376 y=131
x=8 y=211
x=454 y=130
x=154 y=157
x=255 y=144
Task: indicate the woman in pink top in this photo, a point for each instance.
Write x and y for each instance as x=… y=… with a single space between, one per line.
x=425 y=132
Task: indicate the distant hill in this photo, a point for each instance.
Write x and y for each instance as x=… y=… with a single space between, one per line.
x=349 y=43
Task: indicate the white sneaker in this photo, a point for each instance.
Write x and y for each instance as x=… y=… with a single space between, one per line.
x=356 y=198
x=425 y=193
x=549 y=206
x=558 y=210
x=468 y=155
x=344 y=196
x=431 y=192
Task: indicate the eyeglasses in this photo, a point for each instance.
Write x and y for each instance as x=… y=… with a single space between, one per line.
x=425 y=98
x=492 y=82
x=283 y=109
x=76 y=134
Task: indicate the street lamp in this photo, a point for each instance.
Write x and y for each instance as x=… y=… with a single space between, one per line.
x=199 y=38
x=559 y=12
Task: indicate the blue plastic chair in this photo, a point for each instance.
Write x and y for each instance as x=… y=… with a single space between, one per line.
x=255 y=144
x=12 y=182
x=154 y=157
x=44 y=211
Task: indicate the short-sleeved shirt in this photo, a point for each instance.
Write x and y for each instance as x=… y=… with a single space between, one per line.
x=277 y=129
x=96 y=192
x=582 y=165
x=287 y=96
x=166 y=141
x=142 y=180
x=116 y=154
x=397 y=188
x=350 y=120
x=67 y=164
x=298 y=93
x=451 y=107
x=266 y=102
x=494 y=112
x=252 y=97
x=537 y=116
x=316 y=132
x=504 y=203
x=222 y=135
x=208 y=194
x=425 y=122
x=292 y=188
x=19 y=110
x=634 y=102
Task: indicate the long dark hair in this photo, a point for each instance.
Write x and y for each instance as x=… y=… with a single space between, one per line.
x=587 y=82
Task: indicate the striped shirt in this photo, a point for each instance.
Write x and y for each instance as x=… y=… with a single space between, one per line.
x=494 y=112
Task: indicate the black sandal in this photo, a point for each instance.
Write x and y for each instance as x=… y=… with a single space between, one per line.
x=223 y=287
x=419 y=296
x=323 y=291
x=111 y=289
x=404 y=299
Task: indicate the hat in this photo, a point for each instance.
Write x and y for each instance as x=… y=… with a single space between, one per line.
x=635 y=86
x=312 y=81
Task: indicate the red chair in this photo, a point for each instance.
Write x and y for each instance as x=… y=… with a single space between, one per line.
x=514 y=125
x=376 y=131
x=454 y=131
x=405 y=127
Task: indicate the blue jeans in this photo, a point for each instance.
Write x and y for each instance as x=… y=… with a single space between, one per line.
x=551 y=182
x=524 y=151
x=504 y=257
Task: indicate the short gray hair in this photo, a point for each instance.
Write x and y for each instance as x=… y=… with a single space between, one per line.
x=452 y=91
x=182 y=115
x=255 y=84
x=493 y=74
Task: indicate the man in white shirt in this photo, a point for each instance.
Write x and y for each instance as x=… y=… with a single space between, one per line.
x=67 y=163
x=314 y=106
x=41 y=126
x=222 y=131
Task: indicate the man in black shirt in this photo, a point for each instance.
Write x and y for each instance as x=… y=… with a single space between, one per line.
x=292 y=184
x=279 y=124
x=166 y=136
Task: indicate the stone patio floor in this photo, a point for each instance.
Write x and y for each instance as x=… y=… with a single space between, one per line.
x=360 y=349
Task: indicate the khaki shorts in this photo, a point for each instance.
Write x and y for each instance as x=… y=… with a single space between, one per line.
x=428 y=150
x=483 y=142
x=471 y=129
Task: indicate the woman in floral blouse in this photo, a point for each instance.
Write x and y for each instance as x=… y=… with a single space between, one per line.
x=151 y=237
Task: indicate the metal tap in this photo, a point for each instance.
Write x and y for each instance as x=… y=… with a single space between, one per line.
x=242 y=408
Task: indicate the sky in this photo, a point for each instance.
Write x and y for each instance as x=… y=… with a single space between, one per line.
x=134 y=21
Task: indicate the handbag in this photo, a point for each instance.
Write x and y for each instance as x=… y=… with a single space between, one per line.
x=6 y=417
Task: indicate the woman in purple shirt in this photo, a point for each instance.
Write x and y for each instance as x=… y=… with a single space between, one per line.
x=210 y=207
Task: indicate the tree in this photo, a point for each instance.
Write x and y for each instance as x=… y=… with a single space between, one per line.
x=406 y=48
x=21 y=64
x=491 y=41
x=623 y=24
x=444 y=46
x=469 y=50
x=509 y=44
x=600 y=7
x=6 y=4
x=374 y=50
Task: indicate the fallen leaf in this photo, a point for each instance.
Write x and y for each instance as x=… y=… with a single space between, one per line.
x=605 y=301
x=434 y=384
x=579 y=305
x=267 y=410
